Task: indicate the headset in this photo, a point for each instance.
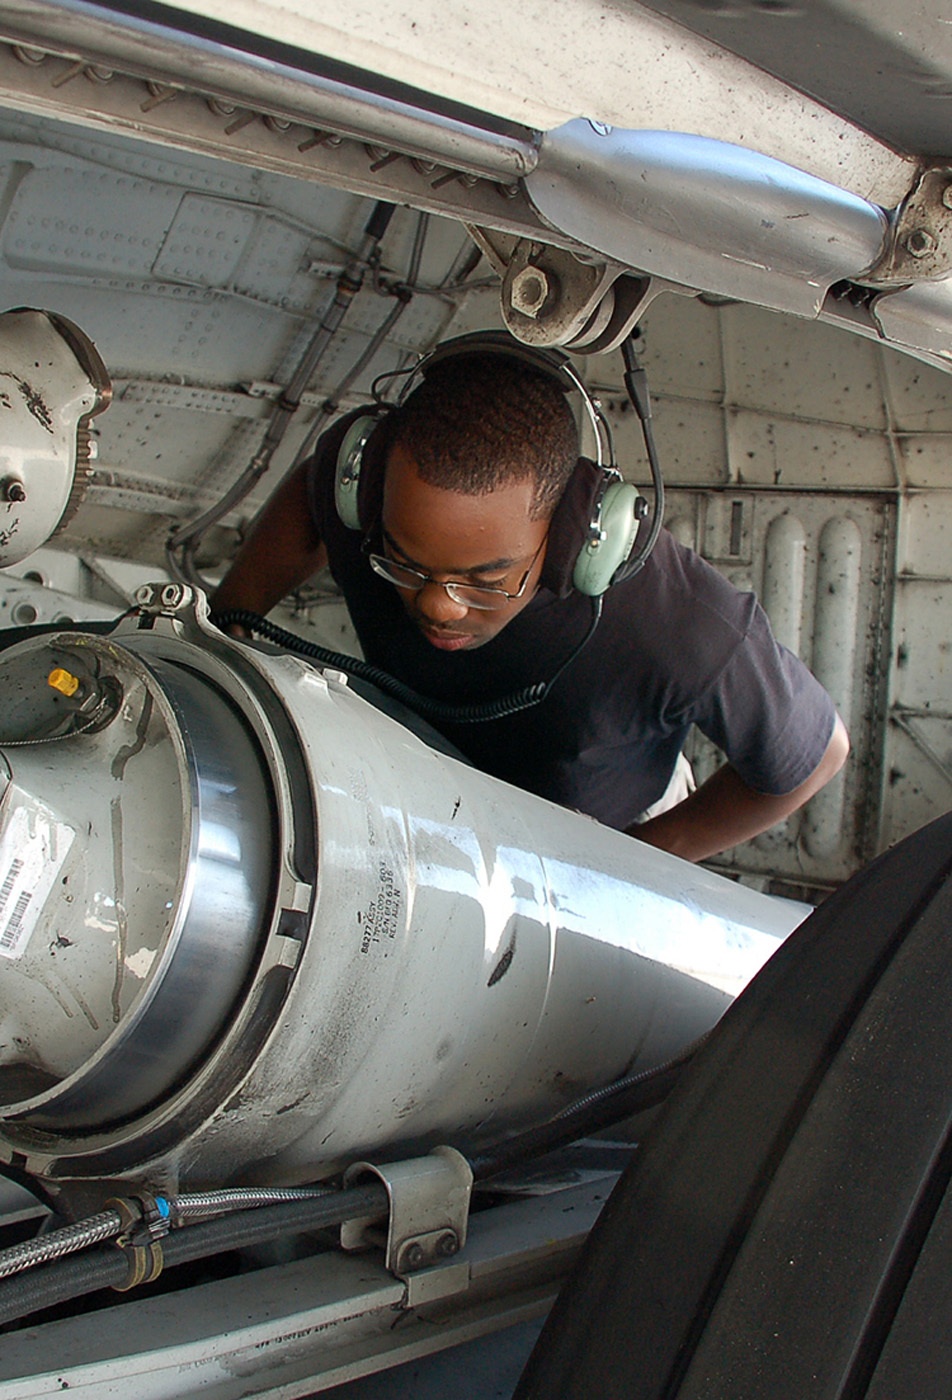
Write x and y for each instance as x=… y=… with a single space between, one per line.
x=597 y=519
x=591 y=536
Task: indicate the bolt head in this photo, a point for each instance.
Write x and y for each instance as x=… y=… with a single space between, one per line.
x=413 y=1256
x=14 y=490
x=174 y=595
x=920 y=243
x=530 y=291
x=447 y=1245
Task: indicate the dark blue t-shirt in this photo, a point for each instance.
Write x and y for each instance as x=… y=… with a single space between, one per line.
x=677 y=645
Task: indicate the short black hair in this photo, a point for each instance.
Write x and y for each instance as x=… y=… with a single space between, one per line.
x=479 y=421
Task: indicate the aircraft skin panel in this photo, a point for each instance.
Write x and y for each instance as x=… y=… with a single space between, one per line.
x=542 y=66
x=895 y=82
x=201 y=282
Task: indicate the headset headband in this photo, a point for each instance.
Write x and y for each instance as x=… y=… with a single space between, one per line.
x=551 y=363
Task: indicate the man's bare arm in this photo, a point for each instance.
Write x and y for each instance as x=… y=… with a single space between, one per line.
x=281 y=550
x=725 y=811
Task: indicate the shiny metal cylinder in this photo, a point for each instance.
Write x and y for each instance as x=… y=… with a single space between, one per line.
x=441 y=958
x=772 y=234
x=266 y=85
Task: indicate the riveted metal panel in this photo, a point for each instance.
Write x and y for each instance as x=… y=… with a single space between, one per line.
x=761 y=421
x=205 y=241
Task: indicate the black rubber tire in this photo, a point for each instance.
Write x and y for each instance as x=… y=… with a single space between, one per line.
x=786 y=1231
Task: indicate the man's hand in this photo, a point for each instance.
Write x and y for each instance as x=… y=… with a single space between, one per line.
x=725 y=811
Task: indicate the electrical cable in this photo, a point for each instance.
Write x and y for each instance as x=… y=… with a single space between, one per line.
x=636 y=385
x=436 y=711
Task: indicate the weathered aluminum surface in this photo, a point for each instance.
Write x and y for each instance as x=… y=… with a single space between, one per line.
x=475 y=958
x=617 y=62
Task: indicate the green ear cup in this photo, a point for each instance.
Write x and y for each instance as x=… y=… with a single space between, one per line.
x=347 y=478
x=602 y=555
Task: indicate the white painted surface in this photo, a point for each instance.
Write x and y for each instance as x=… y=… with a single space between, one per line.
x=542 y=65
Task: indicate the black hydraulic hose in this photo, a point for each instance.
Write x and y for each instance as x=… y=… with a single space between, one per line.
x=433 y=710
x=404 y=292
x=597 y=1110
x=108 y=1266
x=252 y=1227
x=188 y=536
x=74 y=1276
x=59 y=1282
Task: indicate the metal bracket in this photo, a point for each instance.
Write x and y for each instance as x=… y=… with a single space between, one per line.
x=550 y=296
x=429 y=1210
x=144 y=1223
x=171 y=607
x=919 y=248
x=163 y=599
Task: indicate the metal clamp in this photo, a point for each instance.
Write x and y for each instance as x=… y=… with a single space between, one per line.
x=429 y=1210
x=144 y=1222
x=551 y=297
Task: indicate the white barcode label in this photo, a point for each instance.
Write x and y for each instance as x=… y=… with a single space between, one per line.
x=33 y=849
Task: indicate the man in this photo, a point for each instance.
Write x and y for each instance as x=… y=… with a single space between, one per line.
x=458 y=582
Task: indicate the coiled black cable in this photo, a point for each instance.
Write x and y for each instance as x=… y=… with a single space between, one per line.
x=636 y=384
x=436 y=711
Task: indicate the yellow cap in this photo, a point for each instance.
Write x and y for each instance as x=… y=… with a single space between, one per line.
x=63 y=681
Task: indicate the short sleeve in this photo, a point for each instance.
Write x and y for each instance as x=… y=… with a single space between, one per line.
x=767 y=712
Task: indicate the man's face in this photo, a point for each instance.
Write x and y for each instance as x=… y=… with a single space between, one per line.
x=451 y=537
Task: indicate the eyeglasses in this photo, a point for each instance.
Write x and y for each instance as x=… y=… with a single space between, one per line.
x=468 y=595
